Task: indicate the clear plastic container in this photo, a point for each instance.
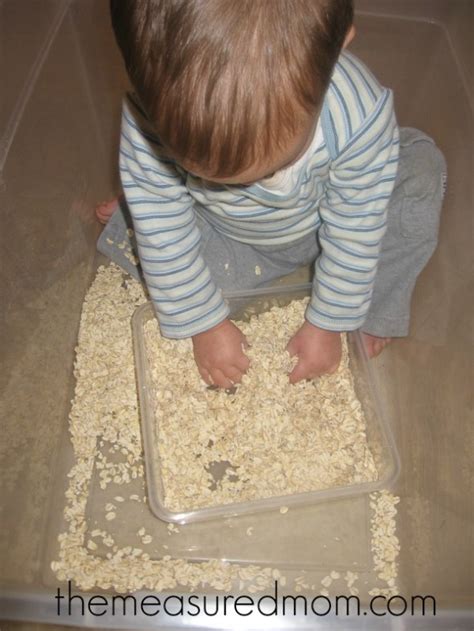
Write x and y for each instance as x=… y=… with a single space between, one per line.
x=379 y=435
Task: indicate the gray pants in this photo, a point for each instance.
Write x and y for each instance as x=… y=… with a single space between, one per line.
x=410 y=240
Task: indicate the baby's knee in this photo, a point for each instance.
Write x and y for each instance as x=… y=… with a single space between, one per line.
x=422 y=180
x=422 y=165
x=432 y=170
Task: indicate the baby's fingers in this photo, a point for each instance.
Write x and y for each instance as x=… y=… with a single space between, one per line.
x=220 y=379
x=307 y=370
x=234 y=374
x=244 y=341
x=242 y=363
x=299 y=372
x=205 y=376
x=292 y=347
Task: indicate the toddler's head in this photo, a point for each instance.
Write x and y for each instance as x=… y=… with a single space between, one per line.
x=233 y=87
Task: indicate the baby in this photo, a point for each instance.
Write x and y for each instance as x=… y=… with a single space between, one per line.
x=255 y=144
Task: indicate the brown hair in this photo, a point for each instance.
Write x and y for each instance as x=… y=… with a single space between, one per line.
x=226 y=82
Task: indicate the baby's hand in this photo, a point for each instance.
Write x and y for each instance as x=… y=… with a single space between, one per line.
x=319 y=351
x=219 y=354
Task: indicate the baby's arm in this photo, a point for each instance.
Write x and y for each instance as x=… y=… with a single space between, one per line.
x=353 y=215
x=186 y=300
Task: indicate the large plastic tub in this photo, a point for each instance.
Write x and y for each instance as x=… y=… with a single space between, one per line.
x=379 y=433
x=60 y=97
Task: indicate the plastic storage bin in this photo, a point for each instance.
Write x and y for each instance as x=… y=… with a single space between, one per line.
x=379 y=434
x=62 y=84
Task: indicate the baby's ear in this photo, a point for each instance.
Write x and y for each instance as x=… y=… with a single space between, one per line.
x=350 y=36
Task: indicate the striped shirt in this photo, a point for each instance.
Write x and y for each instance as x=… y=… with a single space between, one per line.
x=339 y=188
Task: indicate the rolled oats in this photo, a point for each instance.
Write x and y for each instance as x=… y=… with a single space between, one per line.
x=104 y=421
x=274 y=438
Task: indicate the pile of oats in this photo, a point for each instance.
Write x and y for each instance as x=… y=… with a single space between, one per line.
x=273 y=438
x=108 y=460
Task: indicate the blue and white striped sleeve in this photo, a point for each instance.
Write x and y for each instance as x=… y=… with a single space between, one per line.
x=185 y=298
x=363 y=136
